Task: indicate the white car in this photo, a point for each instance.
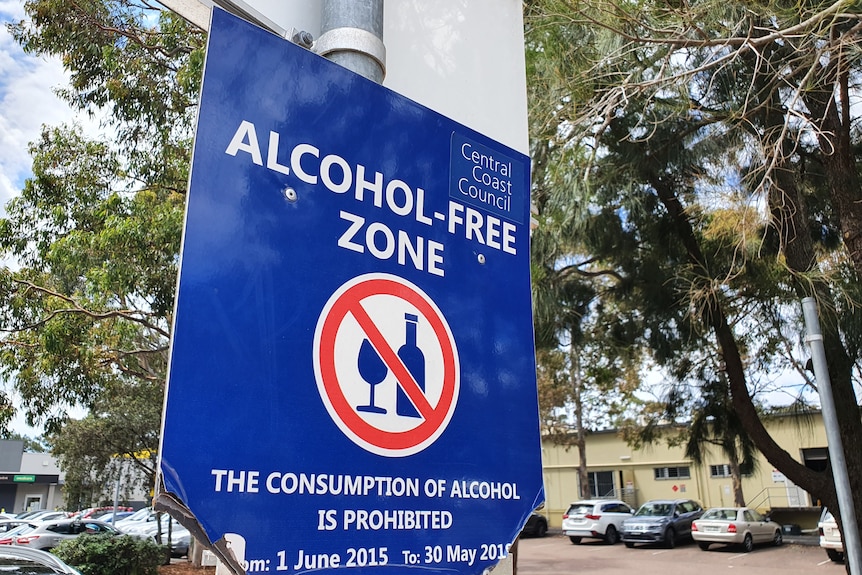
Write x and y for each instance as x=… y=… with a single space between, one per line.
x=735 y=526
x=597 y=519
x=830 y=536
x=141 y=515
x=180 y=536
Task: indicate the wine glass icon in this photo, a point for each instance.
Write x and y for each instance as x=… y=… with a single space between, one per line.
x=373 y=370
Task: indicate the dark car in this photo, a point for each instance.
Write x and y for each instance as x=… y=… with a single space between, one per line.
x=663 y=521
x=536 y=526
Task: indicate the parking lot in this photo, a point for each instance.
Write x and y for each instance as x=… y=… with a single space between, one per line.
x=556 y=554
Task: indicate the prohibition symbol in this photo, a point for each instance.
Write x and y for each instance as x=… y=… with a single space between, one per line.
x=386 y=365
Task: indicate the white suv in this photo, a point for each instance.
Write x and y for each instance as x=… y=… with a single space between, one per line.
x=596 y=518
x=830 y=537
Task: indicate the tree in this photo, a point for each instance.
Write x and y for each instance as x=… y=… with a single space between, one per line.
x=587 y=367
x=86 y=312
x=720 y=150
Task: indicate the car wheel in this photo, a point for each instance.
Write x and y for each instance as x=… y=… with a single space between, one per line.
x=574 y=540
x=778 y=540
x=611 y=535
x=629 y=544
x=835 y=556
x=704 y=546
x=541 y=529
x=747 y=543
x=670 y=539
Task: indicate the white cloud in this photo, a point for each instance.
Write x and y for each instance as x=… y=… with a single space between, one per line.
x=27 y=101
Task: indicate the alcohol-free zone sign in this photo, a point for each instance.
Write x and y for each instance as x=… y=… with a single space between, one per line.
x=352 y=380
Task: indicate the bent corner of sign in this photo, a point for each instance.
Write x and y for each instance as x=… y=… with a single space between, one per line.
x=222 y=549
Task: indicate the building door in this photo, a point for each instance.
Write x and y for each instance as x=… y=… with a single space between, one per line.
x=7 y=498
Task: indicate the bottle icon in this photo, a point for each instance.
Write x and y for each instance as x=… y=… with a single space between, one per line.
x=414 y=361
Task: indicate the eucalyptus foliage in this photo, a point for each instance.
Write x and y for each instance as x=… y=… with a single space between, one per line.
x=706 y=155
x=94 y=236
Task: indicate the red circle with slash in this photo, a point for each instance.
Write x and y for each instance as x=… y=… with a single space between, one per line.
x=348 y=302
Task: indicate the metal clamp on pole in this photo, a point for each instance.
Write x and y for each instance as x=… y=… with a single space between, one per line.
x=351 y=35
x=352 y=40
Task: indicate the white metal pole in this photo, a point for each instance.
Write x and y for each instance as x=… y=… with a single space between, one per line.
x=814 y=338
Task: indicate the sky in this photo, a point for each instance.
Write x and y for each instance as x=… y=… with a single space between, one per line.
x=27 y=102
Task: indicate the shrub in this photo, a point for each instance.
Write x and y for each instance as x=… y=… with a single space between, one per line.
x=111 y=555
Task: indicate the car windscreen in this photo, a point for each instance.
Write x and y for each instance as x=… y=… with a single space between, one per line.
x=23 y=567
x=140 y=514
x=654 y=510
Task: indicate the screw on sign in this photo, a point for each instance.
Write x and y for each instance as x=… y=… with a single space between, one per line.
x=386 y=365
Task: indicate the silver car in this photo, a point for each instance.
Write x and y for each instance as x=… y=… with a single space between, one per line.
x=27 y=561
x=48 y=534
x=661 y=521
x=597 y=519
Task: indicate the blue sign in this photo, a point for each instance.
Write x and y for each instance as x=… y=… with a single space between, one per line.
x=352 y=378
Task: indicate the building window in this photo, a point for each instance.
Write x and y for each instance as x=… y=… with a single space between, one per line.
x=601 y=483
x=681 y=472
x=719 y=470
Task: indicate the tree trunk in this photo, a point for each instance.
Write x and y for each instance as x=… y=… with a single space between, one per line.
x=713 y=315
x=736 y=478
x=790 y=217
x=580 y=431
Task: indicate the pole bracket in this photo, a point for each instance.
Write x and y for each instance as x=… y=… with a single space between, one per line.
x=352 y=40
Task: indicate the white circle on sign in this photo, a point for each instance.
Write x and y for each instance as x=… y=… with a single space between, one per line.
x=386 y=365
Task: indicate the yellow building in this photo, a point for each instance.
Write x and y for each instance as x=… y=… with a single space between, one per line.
x=658 y=471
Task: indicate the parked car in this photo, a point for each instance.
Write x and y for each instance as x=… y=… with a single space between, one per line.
x=597 y=519
x=7 y=525
x=27 y=561
x=735 y=526
x=99 y=512
x=830 y=536
x=8 y=538
x=42 y=515
x=109 y=517
x=536 y=525
x=136 y=518
x=663 y=521
x=46 y=535
x=147 y=528
x=180 y=536
x=180 y=541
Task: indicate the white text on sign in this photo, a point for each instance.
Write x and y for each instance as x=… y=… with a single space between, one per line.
x=309 y=165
